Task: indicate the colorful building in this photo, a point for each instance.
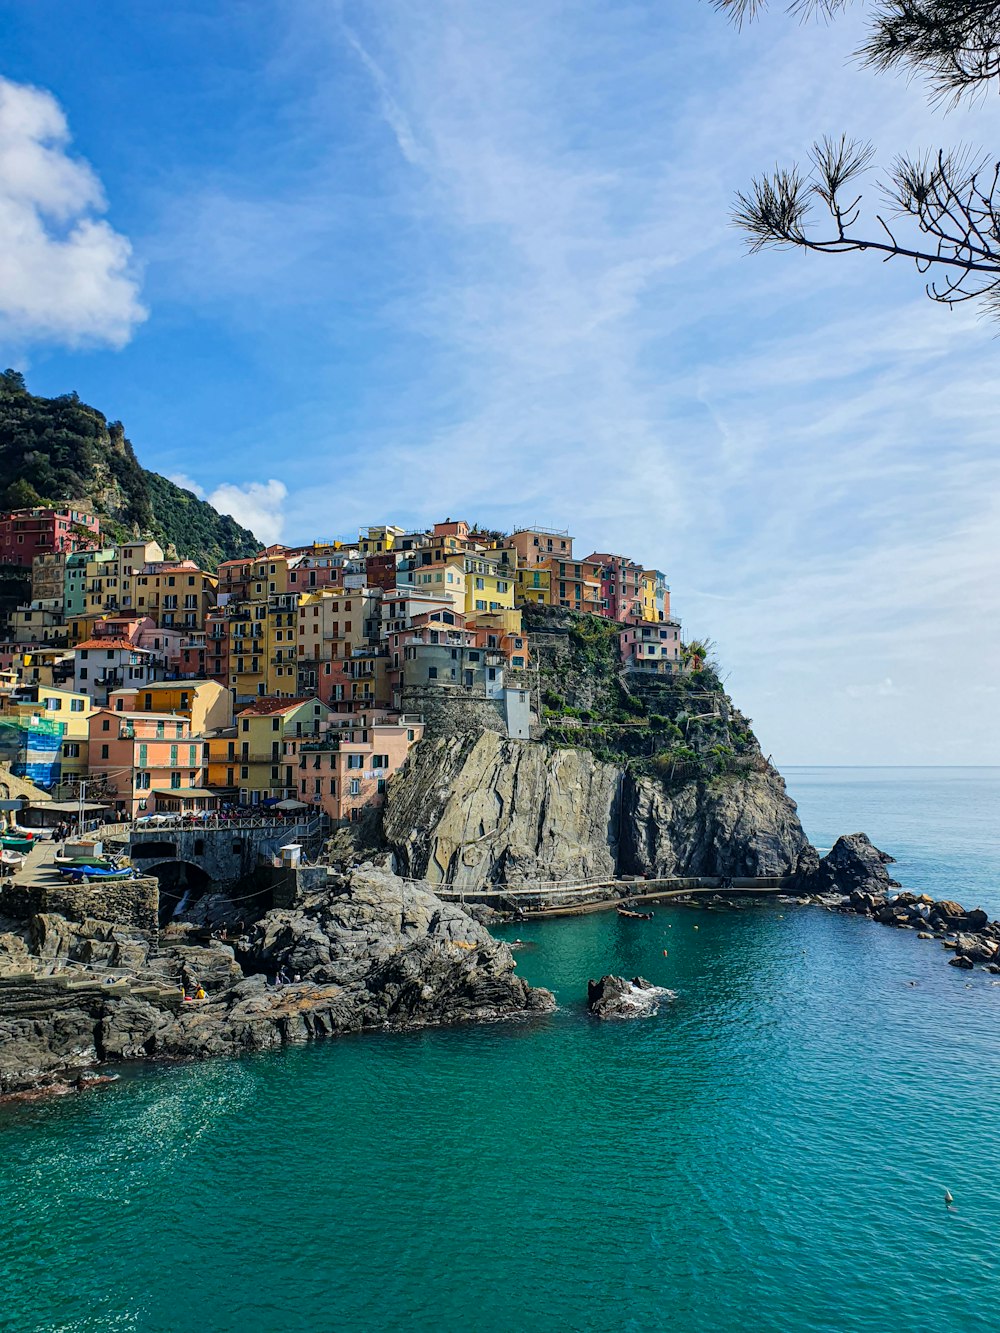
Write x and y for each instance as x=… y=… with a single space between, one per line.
x=345 y=770
x=652 y=647
x=137 y=754
x=267 y=768
x=27 y=533
x=206 y=704
x=535 y=546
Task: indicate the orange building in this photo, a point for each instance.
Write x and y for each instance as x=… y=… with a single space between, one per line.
x=138 y=754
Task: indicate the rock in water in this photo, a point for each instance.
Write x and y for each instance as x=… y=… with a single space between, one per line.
x=855 y=865
x=615 y=997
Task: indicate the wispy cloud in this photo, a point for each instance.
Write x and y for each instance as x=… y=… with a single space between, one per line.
x=571 y=332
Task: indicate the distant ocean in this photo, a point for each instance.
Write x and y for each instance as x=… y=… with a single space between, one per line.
x=767 y=1155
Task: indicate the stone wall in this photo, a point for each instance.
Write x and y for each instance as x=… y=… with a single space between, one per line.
x=21 y=901
x=131 y=903
x=228 y=855
x=450 y=709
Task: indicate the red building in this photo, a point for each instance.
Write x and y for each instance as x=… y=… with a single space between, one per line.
x=380 y=571
x=25 y=533
x=621 y=586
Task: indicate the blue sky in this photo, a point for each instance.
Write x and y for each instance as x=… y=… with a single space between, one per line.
x=339 y=263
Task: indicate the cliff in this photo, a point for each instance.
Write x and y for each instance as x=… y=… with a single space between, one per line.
x=59 y=449
x=477 y=810
x=630 y=774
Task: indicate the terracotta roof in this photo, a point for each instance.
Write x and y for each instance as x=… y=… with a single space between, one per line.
x=266 y=706
x=109 y=642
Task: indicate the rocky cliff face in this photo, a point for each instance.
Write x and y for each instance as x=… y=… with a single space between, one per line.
x=478 y=810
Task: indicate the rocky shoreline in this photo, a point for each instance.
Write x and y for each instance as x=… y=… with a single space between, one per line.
x=369 y=951
x=857 y=868
x=365 y=951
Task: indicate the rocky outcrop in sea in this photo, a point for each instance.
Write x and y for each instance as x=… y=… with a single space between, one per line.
x=367 y=951
x=853 y=878
x=616 y=997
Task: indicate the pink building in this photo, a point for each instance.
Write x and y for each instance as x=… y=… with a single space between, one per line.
x=621 y=586
x=652 y=647
x=344 y=771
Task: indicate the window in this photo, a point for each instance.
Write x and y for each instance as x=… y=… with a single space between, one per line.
x=355 y=761
x=71 y=749
x=244 y=772
x=380 y=761
x=106 y=724
x=410 y=735
x=355 y=787
x=175 y=780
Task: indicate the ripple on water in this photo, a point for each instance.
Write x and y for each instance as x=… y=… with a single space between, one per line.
x=769 y=1152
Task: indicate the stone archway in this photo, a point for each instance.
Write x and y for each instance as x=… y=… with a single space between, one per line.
x=182 y=883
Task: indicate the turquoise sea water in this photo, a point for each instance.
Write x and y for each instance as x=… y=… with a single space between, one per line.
x=768 y=1153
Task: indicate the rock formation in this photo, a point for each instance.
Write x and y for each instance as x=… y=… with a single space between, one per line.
x=475 y=810
x=615 y=997
x=367 y=951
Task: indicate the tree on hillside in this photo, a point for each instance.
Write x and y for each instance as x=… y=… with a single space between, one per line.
x=942 y=211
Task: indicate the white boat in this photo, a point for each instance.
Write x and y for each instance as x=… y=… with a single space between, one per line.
x=11 y=860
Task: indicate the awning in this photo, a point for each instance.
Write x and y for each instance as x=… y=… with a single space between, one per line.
x=290 y=804
x=68 y=807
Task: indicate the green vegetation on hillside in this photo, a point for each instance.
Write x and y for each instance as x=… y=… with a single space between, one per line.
x=678 y=728
x=59 y=449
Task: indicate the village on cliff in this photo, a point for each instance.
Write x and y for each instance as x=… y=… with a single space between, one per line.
x=299 y=677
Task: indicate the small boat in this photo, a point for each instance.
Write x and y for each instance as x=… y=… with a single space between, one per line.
x=634 y=916
x=96 y=872
x=11 y=860
x=63 y=863
x=17 y=844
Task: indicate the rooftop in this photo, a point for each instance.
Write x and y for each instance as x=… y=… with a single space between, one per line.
x=265 y=707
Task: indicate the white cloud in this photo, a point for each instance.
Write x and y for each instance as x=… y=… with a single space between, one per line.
x=187 y=483
x=258 y=505
x=66 y=275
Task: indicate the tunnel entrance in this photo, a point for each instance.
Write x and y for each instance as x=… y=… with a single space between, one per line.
x=182 y=884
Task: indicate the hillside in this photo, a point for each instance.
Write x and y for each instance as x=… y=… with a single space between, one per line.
x=59 y=449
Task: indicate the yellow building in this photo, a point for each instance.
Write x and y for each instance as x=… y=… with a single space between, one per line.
x=208 y=704
x=647 y=593
x=445 y=578
x=378 y=540
x=534 y=585
x=503 y=622
x=178 y=596
x=263 y=646
x=43 y=666
x=111 y=584
x=38 y=622
x=222 y=767
x=266 y=763
x=269 y=573
x=489 y=583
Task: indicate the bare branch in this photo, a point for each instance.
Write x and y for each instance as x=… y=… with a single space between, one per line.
x=956 y=223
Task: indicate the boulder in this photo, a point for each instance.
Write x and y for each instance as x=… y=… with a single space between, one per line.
x=854 y=864
x=961 y=960
x=615 y=997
